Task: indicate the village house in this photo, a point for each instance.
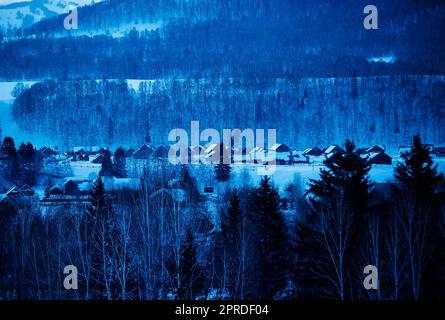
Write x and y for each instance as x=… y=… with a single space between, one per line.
x=12 y=198
x=76 y=192
x=380 y=158
x=46 y=152
x=299 y=157
x=257 y=155
x=87 y=150
x=98 y=159
x=314 y=152
x=194 y=153
x=54 y=190
x=314 y=155
x=70 y=187
x=333 y=149
x=113 y=185
x=143 y=153
x=217 y=153
x=375 y=149
x=241 y=156
x=281 y=153
x=161 y=152
x=83 y=157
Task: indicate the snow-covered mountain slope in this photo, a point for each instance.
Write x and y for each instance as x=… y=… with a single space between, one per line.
x=17 y=14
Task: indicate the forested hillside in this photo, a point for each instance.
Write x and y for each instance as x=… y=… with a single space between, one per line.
x=263 y=38
x=305 y=112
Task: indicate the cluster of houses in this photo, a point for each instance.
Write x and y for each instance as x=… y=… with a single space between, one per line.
x=13 y=196
x=75 y=191
x=96 y=154
x=283 y=155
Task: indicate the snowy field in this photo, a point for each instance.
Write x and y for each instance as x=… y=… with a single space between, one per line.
x=242 y=175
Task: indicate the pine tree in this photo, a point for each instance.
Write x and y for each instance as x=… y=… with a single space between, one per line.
x=13 y=165
x=272 y=240
x=232 y=219
x=97 y=200
x=222 y=172
x=29 y=163
x=189 y=184
x=419 y=200
x=107 y=165
x=344 y=177
x=418 y=174
x=99 y=240
x=340 y=205
x=119 y=163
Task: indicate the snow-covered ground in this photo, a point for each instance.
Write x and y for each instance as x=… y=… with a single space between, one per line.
x=23 y=13
x=242 y=174
x=85 y=170
x=283 y=176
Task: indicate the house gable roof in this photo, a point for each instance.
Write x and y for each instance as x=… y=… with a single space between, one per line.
x=279 y=147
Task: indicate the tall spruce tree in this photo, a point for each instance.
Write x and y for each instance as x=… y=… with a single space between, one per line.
x=100 y=237
x=107 y=165
x=189 y=184
x=418 y=174
x=119 y=163
x=13 y=165
x=345 y=176
x=272 y=240
x=29 y=163
x=420 y=200
x=340 y=206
